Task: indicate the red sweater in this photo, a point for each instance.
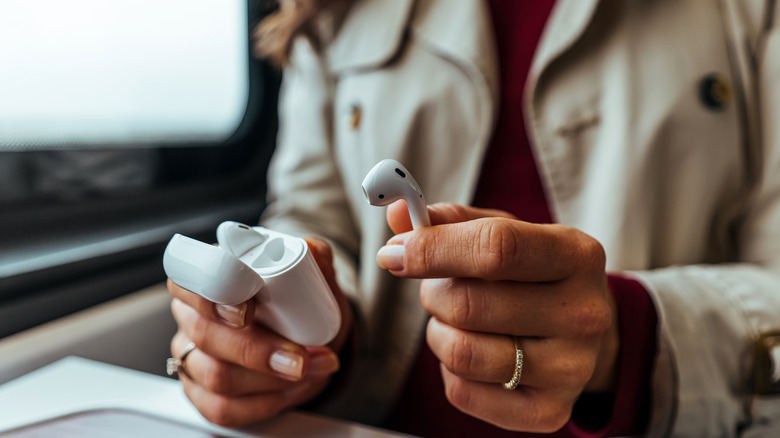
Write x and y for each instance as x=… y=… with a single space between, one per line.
x=509 y=181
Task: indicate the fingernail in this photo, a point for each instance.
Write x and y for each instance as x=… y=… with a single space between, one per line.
x=391 y=257
x=323 y=364
x=287 y=363
x=233 y=315
x=399 y=239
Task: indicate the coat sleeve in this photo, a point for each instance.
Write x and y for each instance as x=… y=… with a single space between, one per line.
x=711 y=314
x=305 y=192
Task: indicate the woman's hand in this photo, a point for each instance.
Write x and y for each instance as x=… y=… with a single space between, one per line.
x=490 y=277
x=242 y=372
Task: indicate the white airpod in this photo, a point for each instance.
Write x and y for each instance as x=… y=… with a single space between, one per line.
x=275 y=269
x=210 y=271
x=389 y=181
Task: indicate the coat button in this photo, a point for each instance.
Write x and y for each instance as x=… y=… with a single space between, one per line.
x=715 y=91
x=355 y=115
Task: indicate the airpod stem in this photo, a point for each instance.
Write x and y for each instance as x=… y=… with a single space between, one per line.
x=418 y=212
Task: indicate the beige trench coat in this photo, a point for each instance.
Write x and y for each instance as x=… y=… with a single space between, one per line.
x=685 y=196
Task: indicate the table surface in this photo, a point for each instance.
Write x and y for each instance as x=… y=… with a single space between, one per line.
x=74 y=385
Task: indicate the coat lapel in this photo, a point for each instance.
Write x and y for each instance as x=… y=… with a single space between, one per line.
x=568 y=22
x=374 y=31
x=463 y=34
x=370 y=35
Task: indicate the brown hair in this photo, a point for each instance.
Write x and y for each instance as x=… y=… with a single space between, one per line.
x=274 y=35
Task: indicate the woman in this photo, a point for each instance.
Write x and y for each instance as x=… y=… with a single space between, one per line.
x=650 y=136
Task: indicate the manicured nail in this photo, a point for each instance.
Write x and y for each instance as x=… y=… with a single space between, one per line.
x=399 y=239
x=232 y=315
x=391 y=257
x=323 y=364
x=287 y=363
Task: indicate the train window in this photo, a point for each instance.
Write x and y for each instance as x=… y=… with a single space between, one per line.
x=121 y=73
x=121 y=123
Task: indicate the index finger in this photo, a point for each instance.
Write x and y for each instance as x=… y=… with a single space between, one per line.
x=490 y=249
x=254 y=347
x=440 y=213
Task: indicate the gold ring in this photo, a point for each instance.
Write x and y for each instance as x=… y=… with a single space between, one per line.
x=515 y=380
x=176 y=366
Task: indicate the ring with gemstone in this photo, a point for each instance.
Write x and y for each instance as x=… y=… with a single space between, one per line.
x=176 y=366
x=515 y=380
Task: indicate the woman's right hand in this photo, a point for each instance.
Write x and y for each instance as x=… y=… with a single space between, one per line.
x=242 y=372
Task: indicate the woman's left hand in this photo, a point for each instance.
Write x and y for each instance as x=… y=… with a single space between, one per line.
x=489 y=278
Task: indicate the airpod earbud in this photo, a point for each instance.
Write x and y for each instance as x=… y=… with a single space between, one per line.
x=389 y=181
x=238 y=238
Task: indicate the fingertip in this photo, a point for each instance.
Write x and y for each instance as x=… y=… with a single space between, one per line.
x=319 y=248
x=391 y=257
x=398 y=217
x=436 y=334
x=324 y=364
x=323 y=256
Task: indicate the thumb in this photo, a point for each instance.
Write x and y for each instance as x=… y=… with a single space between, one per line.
x=440 y=213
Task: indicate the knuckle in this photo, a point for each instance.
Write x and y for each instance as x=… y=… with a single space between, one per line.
x=178 y=341
x=552 y=417
x=458 y=394
x=545 y=416
x=495 y=247
x=568 y=244
x=175 y=340
x=574 y=371
x=453 y=212
x=419 y=252
x=458 y=212
x=590 y=253
x=592 y=319
x=268 y=410
x=430 y=291
x=198 y=331
x=577 y=250
x=250 y=354
x=461 y=355
x=216 y=377
x=463 y=308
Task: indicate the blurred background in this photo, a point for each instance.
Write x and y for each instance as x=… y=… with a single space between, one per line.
x=122 y=122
